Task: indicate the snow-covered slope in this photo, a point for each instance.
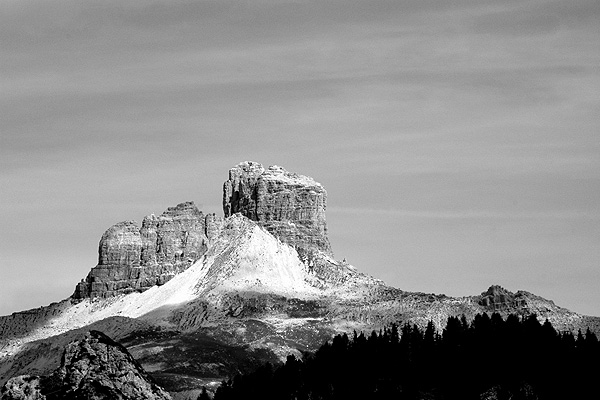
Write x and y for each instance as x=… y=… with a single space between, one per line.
x=247 y=257
x=243 y=258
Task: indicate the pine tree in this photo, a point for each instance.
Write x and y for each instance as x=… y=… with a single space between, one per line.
x=491 y=352
x=204 y=395
x=590 y=337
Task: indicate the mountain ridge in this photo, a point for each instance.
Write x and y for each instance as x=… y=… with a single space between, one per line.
x=262 y=283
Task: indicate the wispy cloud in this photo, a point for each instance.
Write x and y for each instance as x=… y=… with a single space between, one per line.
x=466 y=214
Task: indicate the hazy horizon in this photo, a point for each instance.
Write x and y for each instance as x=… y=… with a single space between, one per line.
x=459 y=142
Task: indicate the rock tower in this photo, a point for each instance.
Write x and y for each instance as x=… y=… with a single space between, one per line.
x=133 y=258
x=290 y=206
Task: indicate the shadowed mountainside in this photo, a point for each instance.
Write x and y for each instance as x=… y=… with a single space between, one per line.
x=94 y=367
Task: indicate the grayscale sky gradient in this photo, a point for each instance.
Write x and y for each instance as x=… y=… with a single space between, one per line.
x=459 y=141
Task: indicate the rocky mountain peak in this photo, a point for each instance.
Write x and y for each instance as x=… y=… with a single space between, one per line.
x=183 y=210
x=496 y=290
x=94 y=367
x=496 y=298
x=98 y=367
x=247 y=170
x=133 y=258
x=289 y=205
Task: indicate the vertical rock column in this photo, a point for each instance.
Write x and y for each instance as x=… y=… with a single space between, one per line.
x=118 y=253
x=290 y=206
x=172 y=242
x=239 y=192
x=134 y=259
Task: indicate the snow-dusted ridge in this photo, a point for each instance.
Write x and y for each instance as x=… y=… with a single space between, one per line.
x=243 y=258
x=271 y=285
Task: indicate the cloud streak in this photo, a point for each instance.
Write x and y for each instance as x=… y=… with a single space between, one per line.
x=468 y=214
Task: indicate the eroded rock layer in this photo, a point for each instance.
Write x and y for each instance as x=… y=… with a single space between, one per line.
x=289 y=205
x=133 y=258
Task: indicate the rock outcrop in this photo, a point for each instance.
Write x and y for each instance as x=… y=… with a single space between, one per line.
x=290 y=206
x=131 y=258
x=213 y=226
x=94 y=367
x=175 y=239
x=496 y=298
x=24 y=387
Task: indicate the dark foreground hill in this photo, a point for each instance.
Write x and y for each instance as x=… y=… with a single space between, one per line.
x=94 y=367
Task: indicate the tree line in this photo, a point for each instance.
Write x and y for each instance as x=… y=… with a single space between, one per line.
x=490 y=358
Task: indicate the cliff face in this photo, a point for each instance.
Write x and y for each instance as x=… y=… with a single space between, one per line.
x=175 y=239
x=290 y=206
x=498 y=299
x=131 y=258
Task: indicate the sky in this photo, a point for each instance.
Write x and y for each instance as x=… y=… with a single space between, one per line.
x=458 y=140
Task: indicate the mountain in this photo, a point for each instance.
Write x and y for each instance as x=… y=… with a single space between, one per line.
x=195 y=298
x=94 y=367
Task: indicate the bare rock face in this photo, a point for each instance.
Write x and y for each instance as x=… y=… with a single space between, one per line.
x=118 y=263
x=131 y=258
x=175 y=239
x=496 y=298
x=213 y=224
x=94 y=367
x=290 y=206
x=24 y=387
